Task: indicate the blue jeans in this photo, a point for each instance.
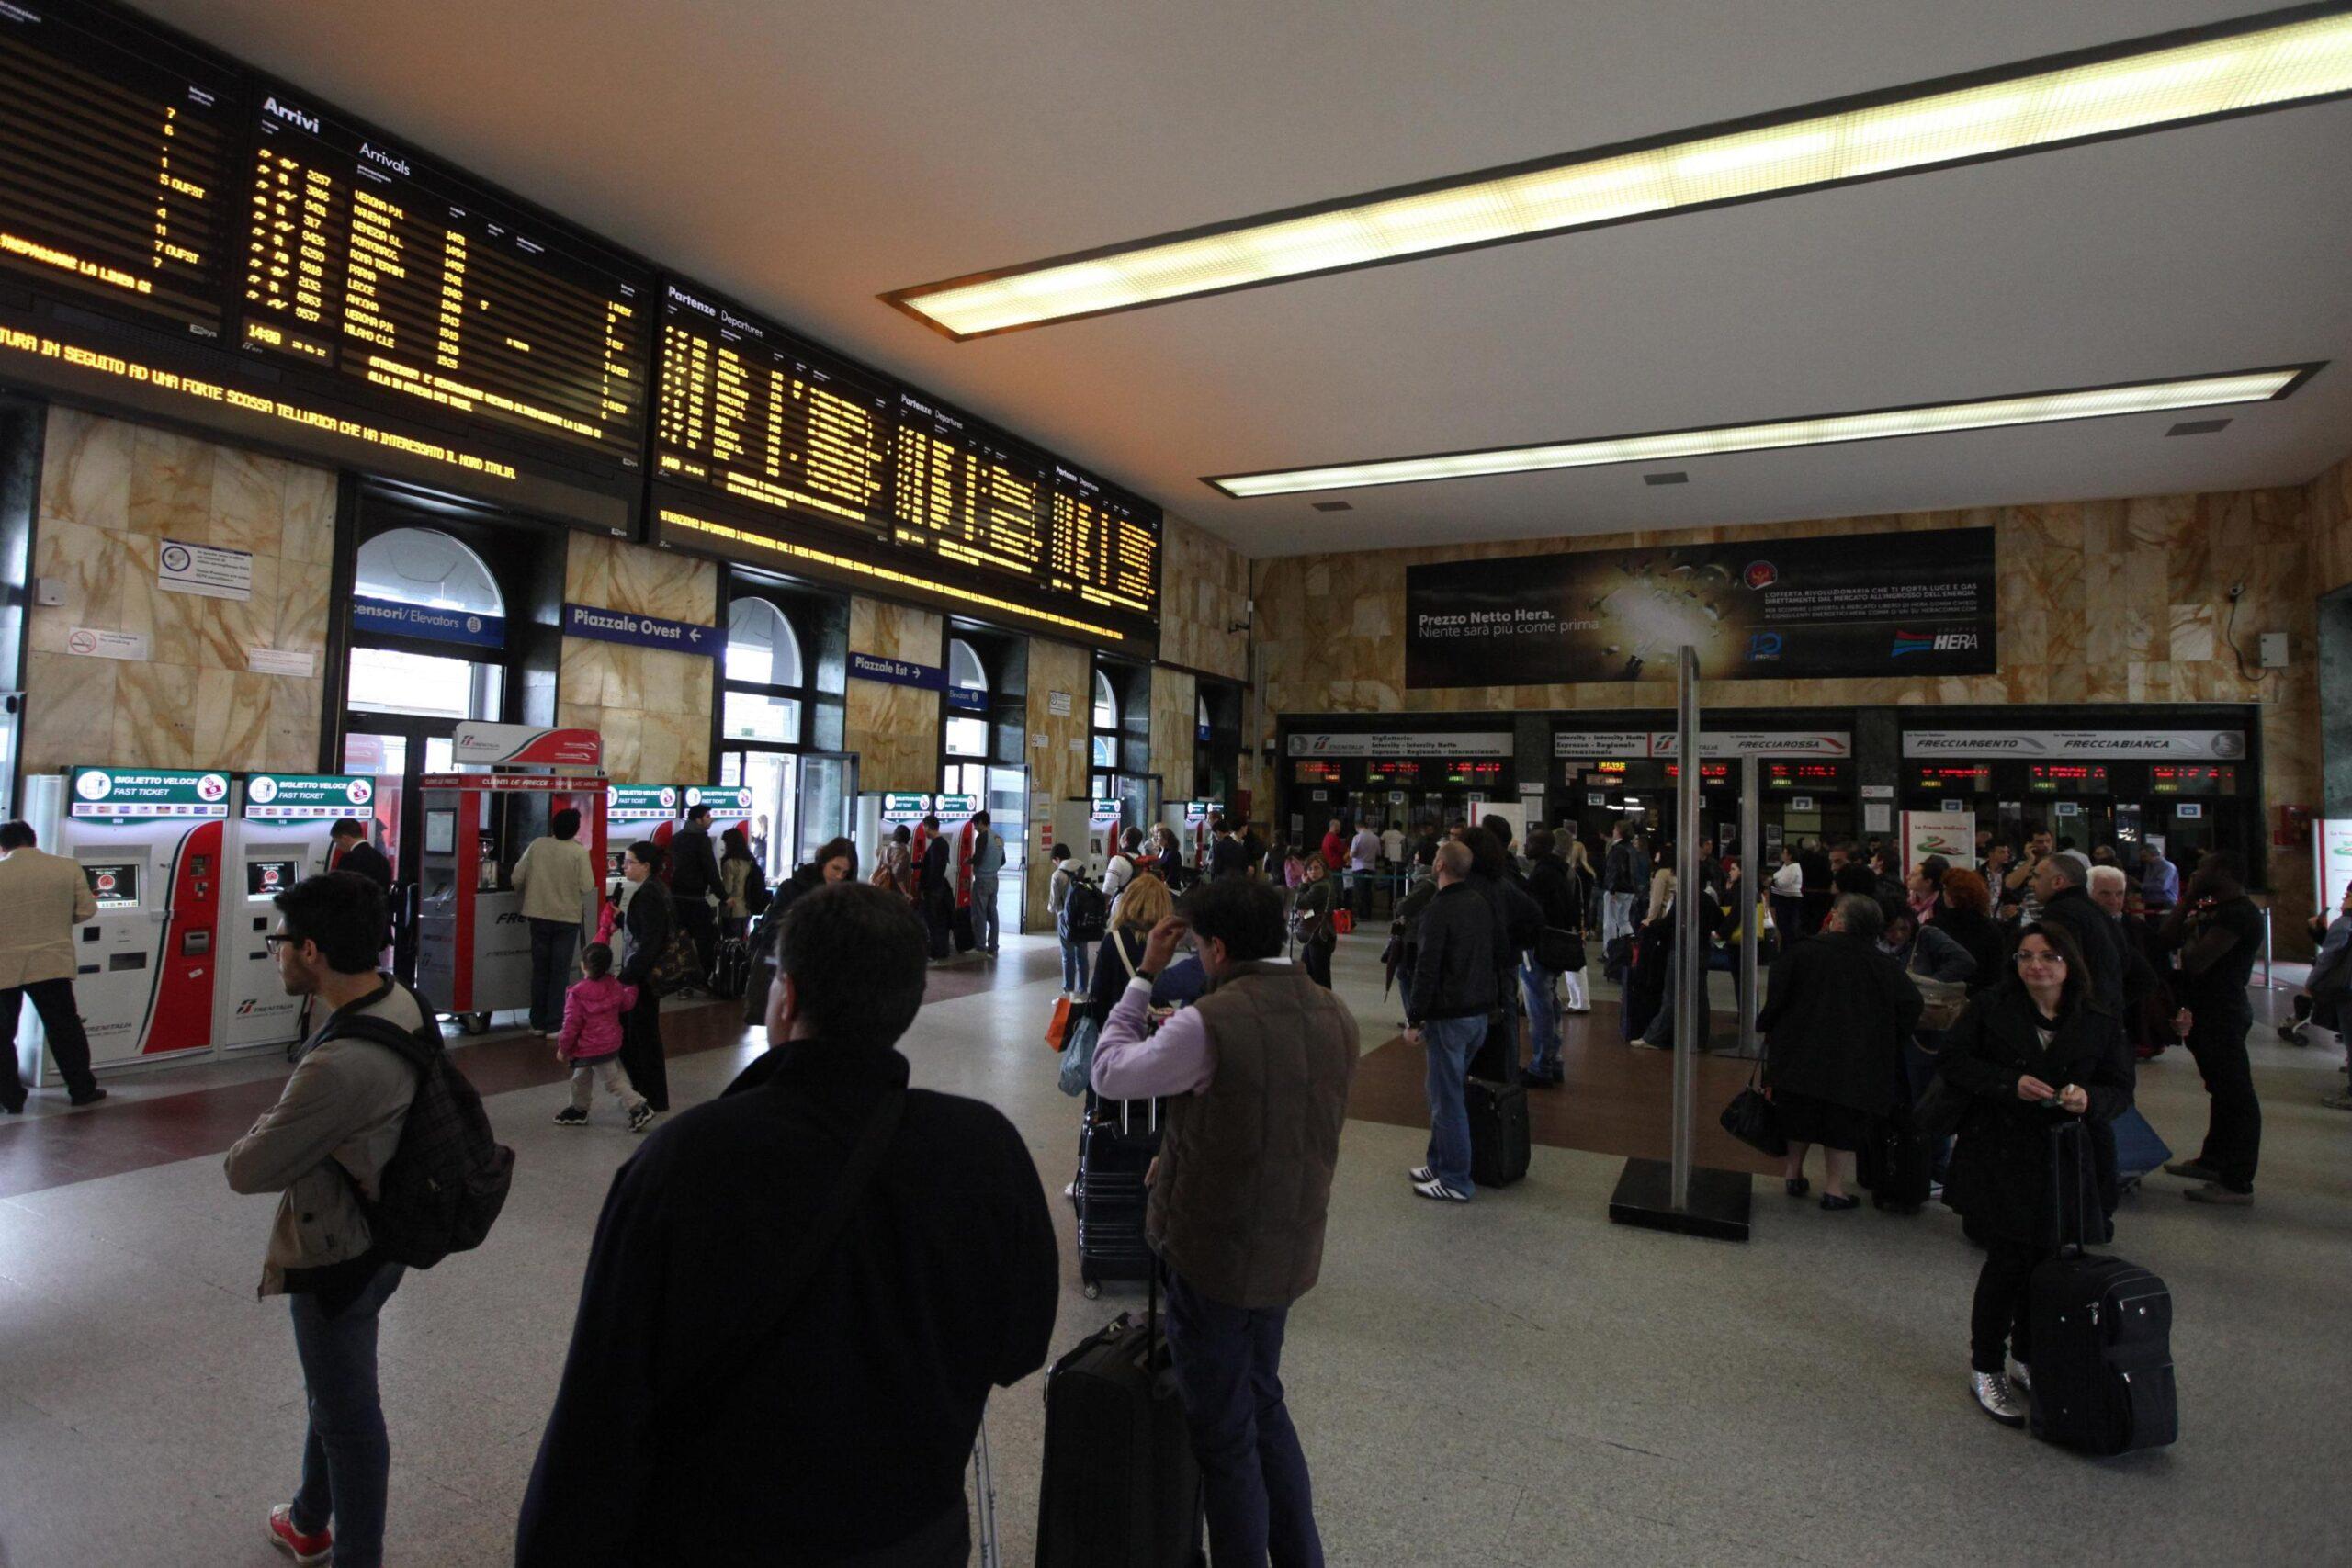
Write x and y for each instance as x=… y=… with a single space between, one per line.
x=551 y=944
x=984 y=923
x=1543 y=1020
x=347 y=1459
x=1074 y=966
x=1451 y=1043
x=1227 y=1362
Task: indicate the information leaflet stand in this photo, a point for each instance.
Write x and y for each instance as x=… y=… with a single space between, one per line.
x=278 y=835
x=473 y=954
x=149 y=842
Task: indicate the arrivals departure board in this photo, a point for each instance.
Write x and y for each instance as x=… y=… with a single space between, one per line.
x=114 y=166
x=967 y=494
x=1106 y=550
x=748 y=410
x=363 y=258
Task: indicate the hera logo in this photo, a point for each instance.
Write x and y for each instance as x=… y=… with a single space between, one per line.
x=1934 y=642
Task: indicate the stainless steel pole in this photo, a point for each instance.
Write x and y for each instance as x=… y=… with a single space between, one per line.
x=1751 y=886
x=1690 y=975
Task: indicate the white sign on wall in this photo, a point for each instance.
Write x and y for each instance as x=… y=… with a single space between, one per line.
x=1951 y=834
x=95 y=642
x=2220 y=745
x=1483 y=743
x=1057 y=704
x=281 y=661
x=2332 y=861
x=216 y=573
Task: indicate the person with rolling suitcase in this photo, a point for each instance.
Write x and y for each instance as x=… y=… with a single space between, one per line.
x=2032 y=1054
x=1256 y=1073
x=1456 y=987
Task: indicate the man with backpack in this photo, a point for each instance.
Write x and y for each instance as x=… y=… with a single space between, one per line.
x=360 y=1199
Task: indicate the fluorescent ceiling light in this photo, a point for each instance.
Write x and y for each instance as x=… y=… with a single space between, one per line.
x=1821 y=430
x=2268 y=62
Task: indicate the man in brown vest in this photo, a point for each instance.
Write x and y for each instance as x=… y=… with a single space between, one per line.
x=1257 y=1076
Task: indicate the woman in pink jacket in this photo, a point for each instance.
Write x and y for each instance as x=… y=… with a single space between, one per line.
x=591 y=1041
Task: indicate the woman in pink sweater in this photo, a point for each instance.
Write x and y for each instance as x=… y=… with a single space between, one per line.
x=591 y=1041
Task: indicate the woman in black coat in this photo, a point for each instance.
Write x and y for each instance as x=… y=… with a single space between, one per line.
x=1834 y=1020
x=2031 y=1055
x=650 y=922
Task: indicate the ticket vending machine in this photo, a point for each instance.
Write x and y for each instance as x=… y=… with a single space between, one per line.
x=1189 y=820
x=473 y=951
x=150 y=840
x=879 y=815
x=731 y=807
x=278 y=835
x=1090 y=828
x=956 y=813
x=633 y=812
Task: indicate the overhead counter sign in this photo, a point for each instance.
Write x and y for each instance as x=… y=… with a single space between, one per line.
x=2222 y=745
x=1401 y=743
x=136 y=794
x=1616 y=743
x=307 y=797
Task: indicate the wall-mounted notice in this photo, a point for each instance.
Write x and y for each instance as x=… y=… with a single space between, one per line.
x=281 y=661
x=1764 y=609
x=1057 y=704
x=95 y=642
x=207 y=570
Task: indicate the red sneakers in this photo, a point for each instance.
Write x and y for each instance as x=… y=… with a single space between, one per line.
x=303 y=1549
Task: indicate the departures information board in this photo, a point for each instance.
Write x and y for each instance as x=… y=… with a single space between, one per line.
x=770 y=450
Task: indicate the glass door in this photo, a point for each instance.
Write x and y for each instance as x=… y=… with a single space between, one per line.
x=825 y=808
x=397 y=750
x=773 y=779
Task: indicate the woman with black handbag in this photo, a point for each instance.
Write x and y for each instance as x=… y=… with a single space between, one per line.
x=2030 y=1056
x=651 y=966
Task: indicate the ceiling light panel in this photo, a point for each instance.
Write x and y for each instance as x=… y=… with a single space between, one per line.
x=1822 y=430
x=2262 y=63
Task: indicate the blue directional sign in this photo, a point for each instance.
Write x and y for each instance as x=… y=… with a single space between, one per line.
x=644 y=631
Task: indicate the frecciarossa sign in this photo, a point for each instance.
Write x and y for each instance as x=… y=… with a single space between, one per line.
x=642 y=631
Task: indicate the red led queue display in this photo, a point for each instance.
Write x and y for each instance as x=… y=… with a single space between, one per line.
x=1805 y=778
x=2166 y=778
x=1464 y=774
x=1379 y=772
x=1951 y=778
x=1316 y=773
x=2066 y=778
x=1709 y=773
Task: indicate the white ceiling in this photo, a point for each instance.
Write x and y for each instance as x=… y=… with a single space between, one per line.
x=807 y=157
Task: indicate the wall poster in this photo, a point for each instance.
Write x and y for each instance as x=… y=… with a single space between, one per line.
x=1882 y=605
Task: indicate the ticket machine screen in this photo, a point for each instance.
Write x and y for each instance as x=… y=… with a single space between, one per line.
x=115 y=885
x=268 y=878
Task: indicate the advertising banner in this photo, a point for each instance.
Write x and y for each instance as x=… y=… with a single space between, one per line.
x=1951 y=834
x=132 y=795
x=1767 y=609
x=307 y=797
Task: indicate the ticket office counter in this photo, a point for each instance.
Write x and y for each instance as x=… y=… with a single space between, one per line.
x=1424 y=795
x=2186 y=807
x=1801 y=798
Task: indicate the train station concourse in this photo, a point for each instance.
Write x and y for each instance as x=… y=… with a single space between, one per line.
x=1506 y=784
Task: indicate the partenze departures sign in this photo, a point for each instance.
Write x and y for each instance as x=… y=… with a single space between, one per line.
x=1876 y=605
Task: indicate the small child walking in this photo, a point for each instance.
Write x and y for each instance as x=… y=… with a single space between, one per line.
x=591 y=1041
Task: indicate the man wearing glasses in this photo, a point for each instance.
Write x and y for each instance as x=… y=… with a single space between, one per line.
x=322 y=1147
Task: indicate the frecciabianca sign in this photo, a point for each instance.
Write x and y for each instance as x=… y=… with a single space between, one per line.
x=2203 y=745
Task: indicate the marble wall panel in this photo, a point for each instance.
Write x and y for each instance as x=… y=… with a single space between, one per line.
x=1175 y=730
x=1059 y=757
x=1204 y=596
x=652 y=706
x=111 y=492
x=893 y=729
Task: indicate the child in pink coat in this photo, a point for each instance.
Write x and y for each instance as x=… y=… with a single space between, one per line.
x=591 y=1041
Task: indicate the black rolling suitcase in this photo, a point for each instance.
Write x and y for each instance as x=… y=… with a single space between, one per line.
x=1499 y=1136
x=731 y=968
x=1120 y=1138
x=960 y=928
x=1894 y=1163
x=1121 y=1488
x=2102 y=1329
x=1496 y=1057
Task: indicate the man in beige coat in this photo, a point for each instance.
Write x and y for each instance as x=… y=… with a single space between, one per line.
x=43 y=898
x=559 y=889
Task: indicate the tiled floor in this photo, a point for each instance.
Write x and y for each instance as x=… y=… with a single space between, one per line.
x=1510 y=1384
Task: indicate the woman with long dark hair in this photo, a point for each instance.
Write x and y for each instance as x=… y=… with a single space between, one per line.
x=2033 y=1054
x=650 y=922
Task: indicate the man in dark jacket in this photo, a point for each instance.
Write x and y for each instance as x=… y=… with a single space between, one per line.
x=1834 y=1022
x=348 y=850
x=1256 y=1075
x=1229 y=852
x=2062 y=884
x=727 y=1398
x=2218 y=933
x=1623 y=880
x=1549 y=884
x=694 y=883
x=1455 y=990
x=934 y=893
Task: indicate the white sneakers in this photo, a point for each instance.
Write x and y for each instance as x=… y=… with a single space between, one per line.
x=1997 y=1398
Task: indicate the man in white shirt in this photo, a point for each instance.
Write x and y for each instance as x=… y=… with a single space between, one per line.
x=1363 y=864
x=1392 y=844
